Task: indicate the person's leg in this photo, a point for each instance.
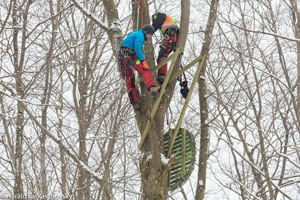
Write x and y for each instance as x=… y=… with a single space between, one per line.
x=146 y=75
x=162 y=55
x=126 y=70
x=130 y=85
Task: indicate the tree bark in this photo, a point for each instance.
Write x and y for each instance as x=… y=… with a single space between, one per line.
x=45 y=100
x=204 y=140
x=63 y=164
x=296 y=23
x=81 y=84
x=153 y=172
x=18 y=60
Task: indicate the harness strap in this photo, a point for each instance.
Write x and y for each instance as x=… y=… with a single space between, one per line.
x=127 y=58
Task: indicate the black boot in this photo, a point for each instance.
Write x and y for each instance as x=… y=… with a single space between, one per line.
x=136 y=106
x=154 y=91
x=160 y=79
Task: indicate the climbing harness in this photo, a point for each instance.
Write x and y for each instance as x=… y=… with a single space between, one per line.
x=126 y=58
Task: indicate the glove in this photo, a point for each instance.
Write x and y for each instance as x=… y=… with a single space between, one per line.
x=145 y=65
x=184 y=89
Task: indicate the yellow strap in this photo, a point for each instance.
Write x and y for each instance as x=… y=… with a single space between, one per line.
x=137 y=62
x=173 y=20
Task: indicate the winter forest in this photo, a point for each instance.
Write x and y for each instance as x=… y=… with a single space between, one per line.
x=68 y=130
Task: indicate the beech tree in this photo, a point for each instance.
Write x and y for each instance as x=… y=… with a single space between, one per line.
x=154 y=185
x=255 y=105
x=68 y=131
x=204 y=138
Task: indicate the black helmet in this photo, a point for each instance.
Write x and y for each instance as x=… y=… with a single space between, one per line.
x=148 y=29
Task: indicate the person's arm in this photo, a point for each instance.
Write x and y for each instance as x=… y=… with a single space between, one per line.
x=138 y=46
x=139 y=41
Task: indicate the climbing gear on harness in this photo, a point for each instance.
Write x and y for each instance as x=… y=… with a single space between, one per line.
x=171 y=36
x=172 y=30
x=126 y=58
x=148 y=29
x=167 y=46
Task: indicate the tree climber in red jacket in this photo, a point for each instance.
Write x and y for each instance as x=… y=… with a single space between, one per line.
x=170 y=31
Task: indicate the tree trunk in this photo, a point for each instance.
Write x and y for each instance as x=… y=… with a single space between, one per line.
x=45 y=100
x=114 y=31
x=18 y=60
x=204 y=140
x=63 y=164
x=82 y=80
x=296 y=23
x=153 y=172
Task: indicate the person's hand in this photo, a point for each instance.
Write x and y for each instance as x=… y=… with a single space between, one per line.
x=145 y=65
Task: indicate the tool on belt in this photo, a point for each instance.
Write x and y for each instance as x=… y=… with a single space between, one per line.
x=126 y=58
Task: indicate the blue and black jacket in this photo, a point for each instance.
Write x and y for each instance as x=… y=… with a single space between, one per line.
x=135 y=42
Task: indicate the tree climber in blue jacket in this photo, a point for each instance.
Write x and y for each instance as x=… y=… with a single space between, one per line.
x=131 y=57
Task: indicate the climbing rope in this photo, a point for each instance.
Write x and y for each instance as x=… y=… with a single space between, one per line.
x=140 y=10
x=138 y=15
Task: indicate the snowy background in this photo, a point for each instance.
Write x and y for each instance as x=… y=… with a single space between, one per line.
x=64 y=61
